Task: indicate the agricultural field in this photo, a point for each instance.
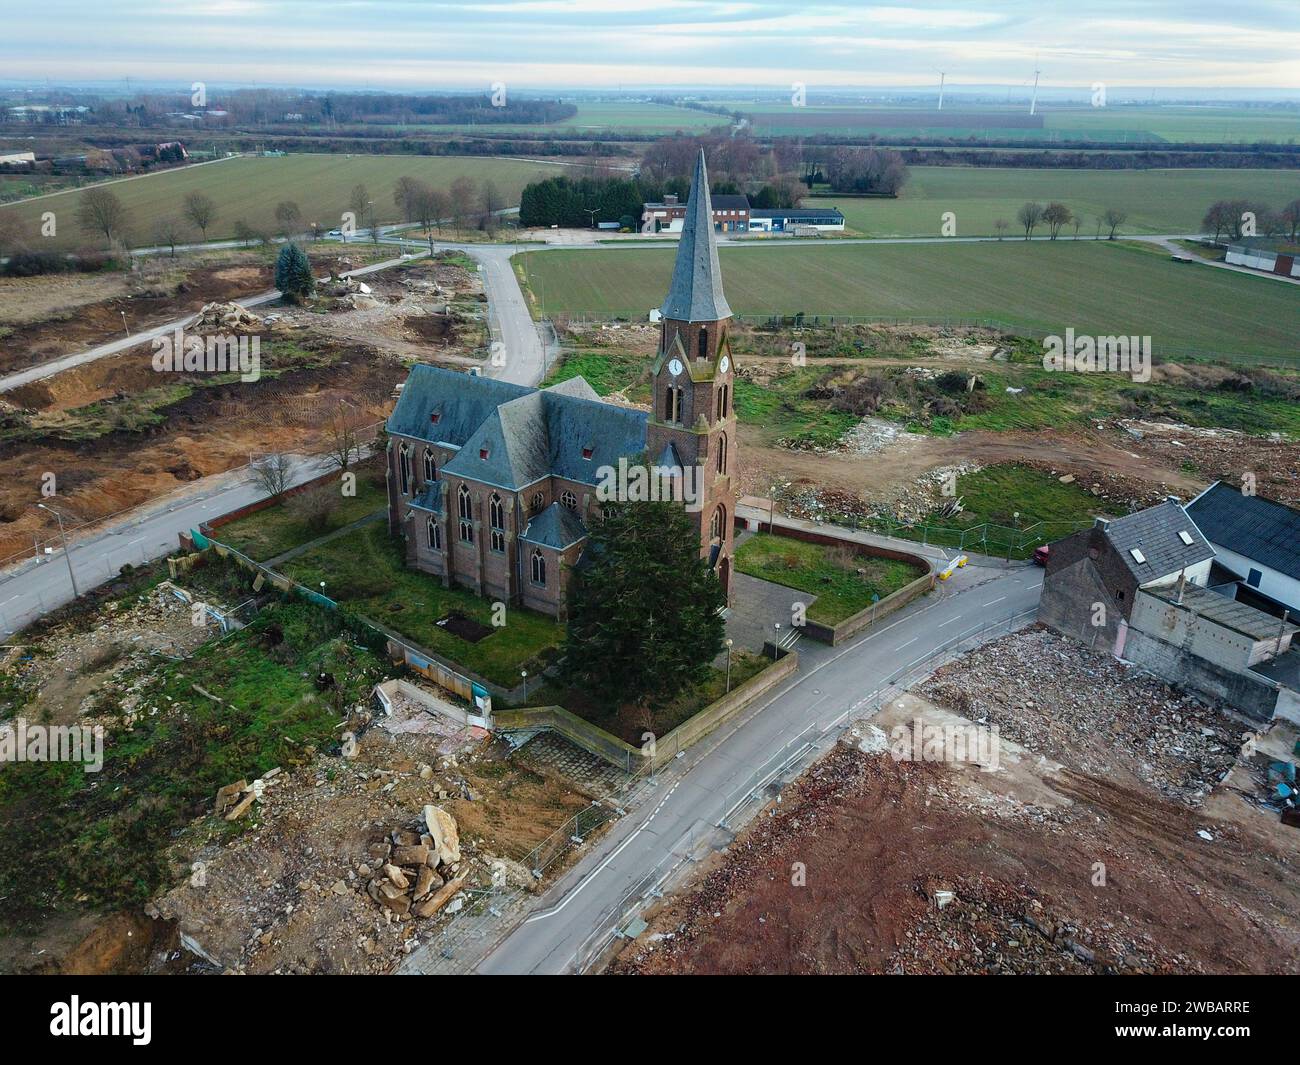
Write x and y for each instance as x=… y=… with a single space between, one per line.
x=248 y=188
x=1157 y=201
x=1116 y=124
x=1041 y=287
x=613 y=115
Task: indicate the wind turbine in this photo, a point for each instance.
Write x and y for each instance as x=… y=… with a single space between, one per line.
x=1033 y=99
x=941 y=77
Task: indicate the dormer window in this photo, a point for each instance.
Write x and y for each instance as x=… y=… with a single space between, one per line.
x=435 y=417
x=483 y=453
x=587 y=452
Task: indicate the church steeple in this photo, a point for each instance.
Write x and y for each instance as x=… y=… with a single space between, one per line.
x=695 y=294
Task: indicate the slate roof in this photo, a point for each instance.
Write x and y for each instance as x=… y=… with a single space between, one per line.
x=729 y=203
x=1231 y=614
x=695 y=294
x=431 y=499
x=1260 y=529
x=521 y=435
x=557 y=526
x=462 y=402
x=1154 y=532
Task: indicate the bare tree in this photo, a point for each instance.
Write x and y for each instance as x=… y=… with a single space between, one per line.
x=316 y=506
x=289 y=217
x=200 y=211
x=405 y=193
x=1056 y=215
x=358 y=200
x=100 y=211
x=272 y=472
x=1001 y=225
x=462 y=200
x=169 y=230
x=1290 y=217
x=1113 y=218
x=343 y=428
x=1029 y=216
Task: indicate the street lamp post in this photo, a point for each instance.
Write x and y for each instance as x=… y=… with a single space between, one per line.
x=66 y=556
x=729 y=642
x=524 y=673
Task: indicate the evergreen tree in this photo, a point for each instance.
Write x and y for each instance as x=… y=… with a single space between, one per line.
x=293 y=275
x=643 y=609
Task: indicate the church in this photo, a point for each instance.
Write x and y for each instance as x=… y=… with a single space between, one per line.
x=493 y=486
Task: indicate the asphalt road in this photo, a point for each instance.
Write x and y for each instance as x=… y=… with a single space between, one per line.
x=690 y=799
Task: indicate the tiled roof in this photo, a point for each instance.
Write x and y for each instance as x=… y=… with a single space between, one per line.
x=431 y=497
x=1154 y=534
x=730 y=203
x=1259 y=529
x=695 y=294
x=557 y=526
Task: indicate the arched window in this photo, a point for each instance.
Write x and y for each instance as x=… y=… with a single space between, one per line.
x=435 y=535
x=404 y=468
x=538 y=503
x=569 y=500
x=465 y=509
x=723 y=397
x=722 y=453
x=539 y=568
x=704 y=343
x=718 y=527
x=430 y=467
x=673 y=403
x=497 y=521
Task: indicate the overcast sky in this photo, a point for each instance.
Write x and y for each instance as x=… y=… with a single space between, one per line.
x=553 y=44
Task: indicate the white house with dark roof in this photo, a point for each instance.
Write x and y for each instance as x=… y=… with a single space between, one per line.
x=1255 y=539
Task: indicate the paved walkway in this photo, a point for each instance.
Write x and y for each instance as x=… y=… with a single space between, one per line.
x=302 y=549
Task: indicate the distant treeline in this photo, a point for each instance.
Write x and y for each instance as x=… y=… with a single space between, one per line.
x=1282 y=159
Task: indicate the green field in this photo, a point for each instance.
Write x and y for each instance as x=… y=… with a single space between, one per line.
x=1157 y=201
x=1118 y=123
x=249 y=188
x=614 y=115
x=1097 y=288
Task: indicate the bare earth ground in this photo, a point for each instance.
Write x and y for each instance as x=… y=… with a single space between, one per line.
x=45 y=318
x=216 y=429
x=1019 y=848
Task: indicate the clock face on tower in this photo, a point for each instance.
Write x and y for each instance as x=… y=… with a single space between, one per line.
x=675 y=367
x=725 y=364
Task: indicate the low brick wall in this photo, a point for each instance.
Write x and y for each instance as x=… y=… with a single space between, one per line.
x=718 y=713
x=264 y=504
x=850 y=626
x=573 y=728
x=613 y=750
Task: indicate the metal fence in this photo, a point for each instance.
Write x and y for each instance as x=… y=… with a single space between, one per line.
x=749 y=796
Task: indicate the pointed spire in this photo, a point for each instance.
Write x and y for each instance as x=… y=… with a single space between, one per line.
x=696 y=291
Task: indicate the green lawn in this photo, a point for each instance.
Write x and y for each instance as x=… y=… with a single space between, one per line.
x=249 y=188
x=104 y=837
x=1098 y=288
x=829 y=573
x=996 y=494
x=1157 y=201
x=276 y=529
x=365 y=572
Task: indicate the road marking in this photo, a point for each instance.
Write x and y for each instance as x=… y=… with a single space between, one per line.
x=909 y=642
x=992 y=601
x=608 y=858
x=944 y=624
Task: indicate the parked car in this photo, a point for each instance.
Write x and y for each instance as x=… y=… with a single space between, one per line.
x=1040 y=555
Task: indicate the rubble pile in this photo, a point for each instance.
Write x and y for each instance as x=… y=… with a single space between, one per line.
x=225 y=317
x=415 y=873
x=1091 y=712
x=978 y=926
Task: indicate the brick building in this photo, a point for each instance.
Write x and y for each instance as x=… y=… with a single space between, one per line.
x=493 y=486
x=730 y=214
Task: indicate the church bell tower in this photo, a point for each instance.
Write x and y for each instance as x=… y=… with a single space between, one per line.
x=693 y=424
